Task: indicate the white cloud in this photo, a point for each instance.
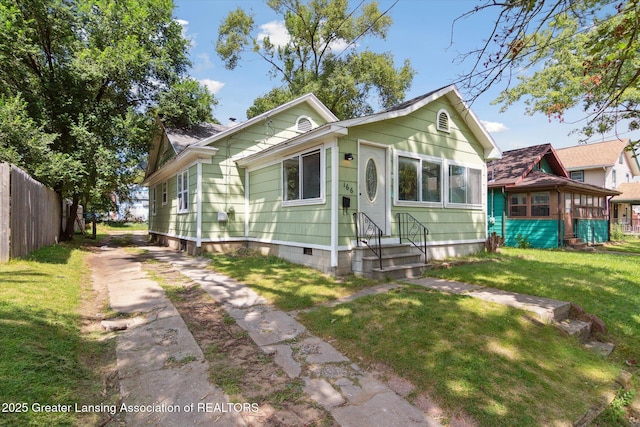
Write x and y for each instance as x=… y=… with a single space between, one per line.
x=276 y=31
x=494 y=127
x=203 y=62
x=185 y=32
x=214 y=86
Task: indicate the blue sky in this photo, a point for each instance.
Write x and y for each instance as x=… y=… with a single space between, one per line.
x=421 y=31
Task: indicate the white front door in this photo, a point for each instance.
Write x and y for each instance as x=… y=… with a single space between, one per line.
x=372 y=184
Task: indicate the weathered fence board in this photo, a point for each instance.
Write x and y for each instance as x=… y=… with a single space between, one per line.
x=33 y=213
x=5 y=170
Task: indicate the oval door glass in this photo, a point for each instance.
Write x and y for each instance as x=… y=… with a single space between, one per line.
x=372 y=179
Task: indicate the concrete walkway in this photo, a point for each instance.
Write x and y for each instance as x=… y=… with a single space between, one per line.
x=546 y=310
x=162 y=371
x=353 y=397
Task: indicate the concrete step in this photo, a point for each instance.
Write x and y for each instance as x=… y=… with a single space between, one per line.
x=407 y=271
x=576 y=328
x=546 y=309
x=371 y=262
x=387 y=249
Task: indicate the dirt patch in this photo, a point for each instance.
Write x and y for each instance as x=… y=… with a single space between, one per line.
x=98 y=352
x=238 y=365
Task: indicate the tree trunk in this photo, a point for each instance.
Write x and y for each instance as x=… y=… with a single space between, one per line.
x=67 y=233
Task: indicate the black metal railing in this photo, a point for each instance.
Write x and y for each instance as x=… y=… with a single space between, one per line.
x=368 y=233
x=414 y=231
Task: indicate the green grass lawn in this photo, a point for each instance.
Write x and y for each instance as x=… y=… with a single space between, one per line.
x=631 y=245
x=485 y=359
x=41 y=347
x=606 y=285
x=286 y=285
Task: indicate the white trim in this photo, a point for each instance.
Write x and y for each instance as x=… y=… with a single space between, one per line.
x=417 y=203
x=440 y=128
x=199 y=204
x=154 y=199
x=387 y=180
x=247 y=194
x=394 y=240
x=276 y=152
x=335 y=176
x=482 y=185
x=179 y=209
x=310 y=98
x=303 y=202
x=164 y=192
x=311 y=123
x=185 y=159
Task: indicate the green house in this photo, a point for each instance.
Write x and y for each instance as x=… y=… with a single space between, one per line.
x=397 y=187
x=533 y=201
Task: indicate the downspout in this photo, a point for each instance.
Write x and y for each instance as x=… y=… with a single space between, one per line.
x=199 y=204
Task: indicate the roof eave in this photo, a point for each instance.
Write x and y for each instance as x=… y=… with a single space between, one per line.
x=182 y=160
x=325 y=131
x=309 y=97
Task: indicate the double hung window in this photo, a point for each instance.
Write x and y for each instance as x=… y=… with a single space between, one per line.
x=183 y=191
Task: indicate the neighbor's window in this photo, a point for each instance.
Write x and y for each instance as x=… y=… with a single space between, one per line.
x=577 y=175
x=465 y=185
x=419 y=180
x=518 y=204
x=540 y=204
x=183 y=191
x=302 y=177
x=163 y=189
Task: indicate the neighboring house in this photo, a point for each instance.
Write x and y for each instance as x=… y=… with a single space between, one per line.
x=607 y=164
x=626 y=207
x=532 y=199
x=287 y=182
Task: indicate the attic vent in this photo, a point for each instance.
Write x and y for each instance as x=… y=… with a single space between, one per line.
x=443 y=121
x=304 y=124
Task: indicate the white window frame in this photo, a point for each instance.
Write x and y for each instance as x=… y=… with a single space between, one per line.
x=182 y=191
x=420 y=158
x=153 y=200
x=447 y=185
x=300 y=201
x=164 y=187
x=440 y=128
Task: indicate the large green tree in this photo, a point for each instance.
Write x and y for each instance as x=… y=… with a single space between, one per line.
x=85 y=73
x=323 y=55
x=563 y=55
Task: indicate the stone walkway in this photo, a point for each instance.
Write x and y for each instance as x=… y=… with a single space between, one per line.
x=162 y=371
x=353 y=397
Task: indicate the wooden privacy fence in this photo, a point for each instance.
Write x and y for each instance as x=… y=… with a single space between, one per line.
x=29 y=213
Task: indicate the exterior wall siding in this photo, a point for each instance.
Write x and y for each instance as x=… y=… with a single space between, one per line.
x=540 y=233
x=495 y=208
x=271 y=221
x=592 y=230
x=417 y=133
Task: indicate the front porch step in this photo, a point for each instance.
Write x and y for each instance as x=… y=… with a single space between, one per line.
x=578 y=244
x=394 y=260
x=576 y=328
x=405 y=271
